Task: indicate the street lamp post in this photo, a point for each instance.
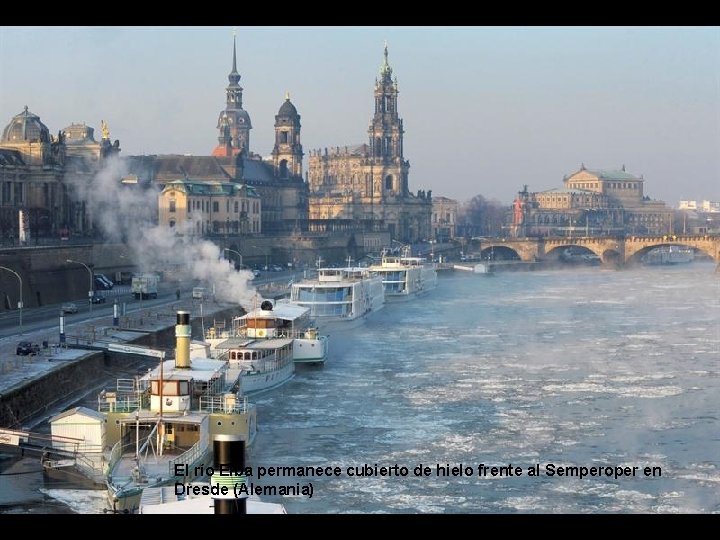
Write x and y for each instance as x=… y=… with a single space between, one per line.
x=20 y=303
x=90 y=272
x=236 y=253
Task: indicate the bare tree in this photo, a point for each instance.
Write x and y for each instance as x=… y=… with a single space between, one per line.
x=482 y=217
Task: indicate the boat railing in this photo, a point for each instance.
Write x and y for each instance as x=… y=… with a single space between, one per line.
x=288 y=333
x=221 y=404
x=190 y=457
x=307 y=333
x=126 y=386
x=115 y=455
x=127 y=403
x=139 y=455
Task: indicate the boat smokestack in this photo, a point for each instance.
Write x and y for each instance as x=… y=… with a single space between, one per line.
x=229 y=461
x=182 y=340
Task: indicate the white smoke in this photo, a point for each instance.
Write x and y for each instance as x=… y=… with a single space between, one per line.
x=127 y=213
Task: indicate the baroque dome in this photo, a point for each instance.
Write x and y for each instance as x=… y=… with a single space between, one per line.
x=26 y=126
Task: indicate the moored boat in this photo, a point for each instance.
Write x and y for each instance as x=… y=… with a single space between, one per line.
x=405 y=277
x=669 y=255
x=266 y=342
x=340 y=297
x=161 y=425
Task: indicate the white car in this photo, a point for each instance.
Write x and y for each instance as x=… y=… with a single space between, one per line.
x=69 y=307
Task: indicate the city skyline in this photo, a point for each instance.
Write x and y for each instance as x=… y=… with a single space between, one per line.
x=486 y=110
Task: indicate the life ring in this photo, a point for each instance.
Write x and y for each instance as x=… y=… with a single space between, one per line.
x=260 y=333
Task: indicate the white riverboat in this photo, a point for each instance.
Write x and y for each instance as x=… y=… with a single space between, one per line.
x=405 y=277
x=340 y=297
x=266 y=343
x=168 y=418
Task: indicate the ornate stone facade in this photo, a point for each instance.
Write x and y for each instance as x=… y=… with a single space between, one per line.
x=277 y=180
x=365 y=187
x=39 y=173
x=592 y=202
x=199 y=208
x=621 y=187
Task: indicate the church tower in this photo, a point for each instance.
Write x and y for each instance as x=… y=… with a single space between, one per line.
x=386 y=134
x=287 y=153
x=234 y=122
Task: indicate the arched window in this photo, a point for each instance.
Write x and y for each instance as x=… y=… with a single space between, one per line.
x=389 y=181
x=172 y=223
x=283 y=169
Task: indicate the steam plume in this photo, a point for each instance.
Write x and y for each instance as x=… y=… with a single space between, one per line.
x=126 y=213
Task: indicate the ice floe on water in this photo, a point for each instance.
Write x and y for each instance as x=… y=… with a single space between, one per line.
x=81 y=501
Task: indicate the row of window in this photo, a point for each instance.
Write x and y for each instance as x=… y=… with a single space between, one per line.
x=207 y=227
x=610 y=185
x=332 y=179
x=204 y=206
x=566 y=199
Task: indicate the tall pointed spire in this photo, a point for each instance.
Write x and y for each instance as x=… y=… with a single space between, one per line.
x=234 y=122
x=385 y=69
x=234 y=76
x=386 y=131
x=234 y=53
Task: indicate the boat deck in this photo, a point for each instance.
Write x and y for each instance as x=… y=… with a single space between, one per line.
x=155 y=467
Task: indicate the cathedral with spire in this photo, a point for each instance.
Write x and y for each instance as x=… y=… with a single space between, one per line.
x=367 y=183
x=234 y=122
x=277 y=180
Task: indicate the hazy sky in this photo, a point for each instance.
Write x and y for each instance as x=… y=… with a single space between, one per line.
x=486 y=109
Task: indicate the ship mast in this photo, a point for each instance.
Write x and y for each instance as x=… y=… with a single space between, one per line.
x=161 y=427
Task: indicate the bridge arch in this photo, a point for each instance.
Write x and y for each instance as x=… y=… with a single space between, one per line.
x=499 y=252
x=615 y=250
x=638 y=256
x=637 y=246
x=556 y=252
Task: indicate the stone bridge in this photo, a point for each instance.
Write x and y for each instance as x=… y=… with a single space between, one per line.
x=611 y=249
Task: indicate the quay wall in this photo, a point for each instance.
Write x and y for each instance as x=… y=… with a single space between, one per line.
x=71 y=378
x=37 y=396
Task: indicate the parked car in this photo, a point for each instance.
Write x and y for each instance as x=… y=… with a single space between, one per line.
x=69 y=307
x=100 y=285
x=256 y=273
x=27 y=347
x=97 y=299
x=108 y=282
x=277 y=268
x=103 y=282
